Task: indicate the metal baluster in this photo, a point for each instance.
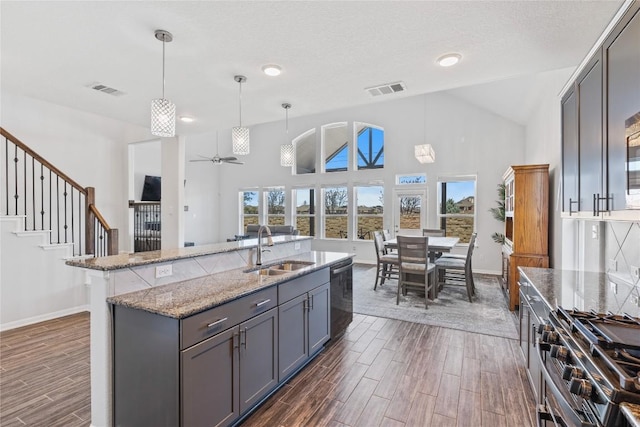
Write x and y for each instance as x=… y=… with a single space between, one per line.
x=72 y=222
x=50 y=207
x=33 y=191
x=24 y=184
x=41 y=196
x=58 y=207
x=15 y=176
x=6 y=171
x=65 y=211
x=80 y=223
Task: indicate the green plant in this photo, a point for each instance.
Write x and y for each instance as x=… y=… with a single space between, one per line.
x=498 y=212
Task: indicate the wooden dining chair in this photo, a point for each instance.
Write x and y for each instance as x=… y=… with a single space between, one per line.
x=415 y=269
x=452 y=268
x=387 y=264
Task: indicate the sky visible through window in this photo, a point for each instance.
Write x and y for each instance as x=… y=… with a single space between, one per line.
x=458 y=190
x=377 y=144
x=339 y=161
x=369 y=196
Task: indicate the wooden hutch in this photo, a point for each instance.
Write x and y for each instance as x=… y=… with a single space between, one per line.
x=526 y=224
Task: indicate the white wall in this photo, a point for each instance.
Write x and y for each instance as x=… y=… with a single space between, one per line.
x=146 y=161
x=467 y=140
x=544 y=145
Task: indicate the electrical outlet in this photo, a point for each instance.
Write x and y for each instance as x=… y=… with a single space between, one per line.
x=635 y=271
x=614 y=287
x=613 y=265
x=164 y=271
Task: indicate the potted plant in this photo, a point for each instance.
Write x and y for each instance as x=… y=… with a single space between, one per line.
x=498 y=212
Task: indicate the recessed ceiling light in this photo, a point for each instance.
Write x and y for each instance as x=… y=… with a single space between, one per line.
x=272 y=70
x=449 y=59
x=186 y=119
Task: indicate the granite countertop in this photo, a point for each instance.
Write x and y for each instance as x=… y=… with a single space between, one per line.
x=601 y=292
x=183 y=299
x=631 y=412
x=116 y=262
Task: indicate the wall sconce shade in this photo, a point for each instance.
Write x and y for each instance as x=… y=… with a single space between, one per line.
x=239 y=134
x=425 y=154
x=163 y=111
x=286 y=155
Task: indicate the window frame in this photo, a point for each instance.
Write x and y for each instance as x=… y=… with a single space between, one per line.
x=324 y=215
x=377 y=184
x=265 y=197
x=323 y=149
x=442 y=217
x=356 y=145
x=294 y=210
x=241 y=223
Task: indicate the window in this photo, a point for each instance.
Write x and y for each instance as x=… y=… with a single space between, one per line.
x=369 y=215
x=336 y=220
x=249 y=213
x=305 y=146
x=336 y=147
x=274 y=199
x=305 y=214
x=417 y=178
x=370 y=146
x=456 y=207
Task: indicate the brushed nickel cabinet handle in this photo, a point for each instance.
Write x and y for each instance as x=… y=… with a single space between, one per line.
x=217 y=322
x=258 y=304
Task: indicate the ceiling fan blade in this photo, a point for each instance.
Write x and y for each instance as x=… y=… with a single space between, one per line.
x=234 y=163
x=204 y=157
x=201 y=160
x=228 y=159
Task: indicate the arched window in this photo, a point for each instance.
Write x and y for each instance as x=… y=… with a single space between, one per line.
x=305 y=147
x=370 y=146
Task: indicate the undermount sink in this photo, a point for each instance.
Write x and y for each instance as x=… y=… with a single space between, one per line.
x=291 y=265
x=270 y=272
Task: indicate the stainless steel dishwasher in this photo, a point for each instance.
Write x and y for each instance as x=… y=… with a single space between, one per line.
x=341 y=297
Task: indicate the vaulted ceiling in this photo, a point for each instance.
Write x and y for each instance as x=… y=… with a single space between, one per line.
x=330 y=51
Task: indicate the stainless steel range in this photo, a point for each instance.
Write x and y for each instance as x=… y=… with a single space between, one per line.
x=590 y=363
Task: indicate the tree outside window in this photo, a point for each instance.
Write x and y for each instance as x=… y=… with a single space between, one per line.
x=336 y=220
x=275 y=200
x=250 y=212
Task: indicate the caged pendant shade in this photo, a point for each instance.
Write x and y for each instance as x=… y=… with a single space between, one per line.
x=286 y=150
x=239 y=134
x=163 y=111
x=425 y=154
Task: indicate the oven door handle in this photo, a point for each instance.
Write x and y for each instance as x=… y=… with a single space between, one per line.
x=565 y=406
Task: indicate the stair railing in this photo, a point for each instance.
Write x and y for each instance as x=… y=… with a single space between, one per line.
x=51 y=201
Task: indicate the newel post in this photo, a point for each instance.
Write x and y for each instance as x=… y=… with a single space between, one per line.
x=112 y=239
x=90 y=218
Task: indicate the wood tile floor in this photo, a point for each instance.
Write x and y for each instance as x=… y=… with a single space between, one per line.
x=383 y=372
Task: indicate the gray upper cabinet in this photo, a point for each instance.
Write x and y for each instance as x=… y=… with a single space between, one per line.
x=622 y=77
x=589 y=86
x=570 y=168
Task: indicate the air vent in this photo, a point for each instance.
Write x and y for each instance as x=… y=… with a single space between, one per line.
x=386 y=89
x=105 y=89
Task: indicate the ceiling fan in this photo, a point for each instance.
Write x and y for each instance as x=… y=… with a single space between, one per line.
x=217 y=159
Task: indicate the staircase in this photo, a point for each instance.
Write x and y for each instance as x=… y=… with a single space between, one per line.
x=45 y=218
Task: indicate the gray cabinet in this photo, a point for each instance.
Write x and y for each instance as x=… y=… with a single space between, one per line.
x=570 y=169
x=622 y=77
x=304 y=320
x=210 y=378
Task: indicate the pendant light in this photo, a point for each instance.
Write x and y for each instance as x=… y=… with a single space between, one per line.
x=286 y=150
x=240 y=135
x=163 y=111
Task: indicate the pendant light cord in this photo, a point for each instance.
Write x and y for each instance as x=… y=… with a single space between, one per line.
x=163 y=43
x=240 y=101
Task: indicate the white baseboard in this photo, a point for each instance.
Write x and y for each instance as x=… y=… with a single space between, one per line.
x=43 y=317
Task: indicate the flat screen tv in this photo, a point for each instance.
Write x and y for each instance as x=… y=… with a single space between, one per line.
x=151 y=190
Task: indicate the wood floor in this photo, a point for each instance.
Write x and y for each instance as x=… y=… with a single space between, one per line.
x=381 y=373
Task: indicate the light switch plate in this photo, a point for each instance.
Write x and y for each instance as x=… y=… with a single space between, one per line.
x=614 y=287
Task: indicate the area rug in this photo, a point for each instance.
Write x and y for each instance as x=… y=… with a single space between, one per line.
x=487 y=314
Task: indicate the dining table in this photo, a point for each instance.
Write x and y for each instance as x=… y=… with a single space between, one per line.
x=437 y=245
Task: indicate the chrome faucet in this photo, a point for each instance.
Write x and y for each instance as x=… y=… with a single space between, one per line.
x=269 y=243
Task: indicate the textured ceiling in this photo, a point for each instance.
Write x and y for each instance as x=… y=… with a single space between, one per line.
x=329 y=50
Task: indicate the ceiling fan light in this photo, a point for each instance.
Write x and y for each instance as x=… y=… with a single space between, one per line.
x=163 y=118
x=240 y=140
x=286 y=155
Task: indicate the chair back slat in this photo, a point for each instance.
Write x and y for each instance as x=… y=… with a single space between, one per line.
x=433 y=232
x=414 y=249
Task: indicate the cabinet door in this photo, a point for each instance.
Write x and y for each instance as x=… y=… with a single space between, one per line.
x=258 y=358
x=622 y=56
x=210 y=382
x=523 y=313
x=590 y=133
x=570 y=168
x=319 y=321
x=293 y=342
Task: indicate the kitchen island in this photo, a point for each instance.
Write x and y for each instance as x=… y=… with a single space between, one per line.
x=573 y=327
x=176 y=277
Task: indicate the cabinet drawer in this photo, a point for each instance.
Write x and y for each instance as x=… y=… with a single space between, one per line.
x=296 y=287
x=208 y=323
